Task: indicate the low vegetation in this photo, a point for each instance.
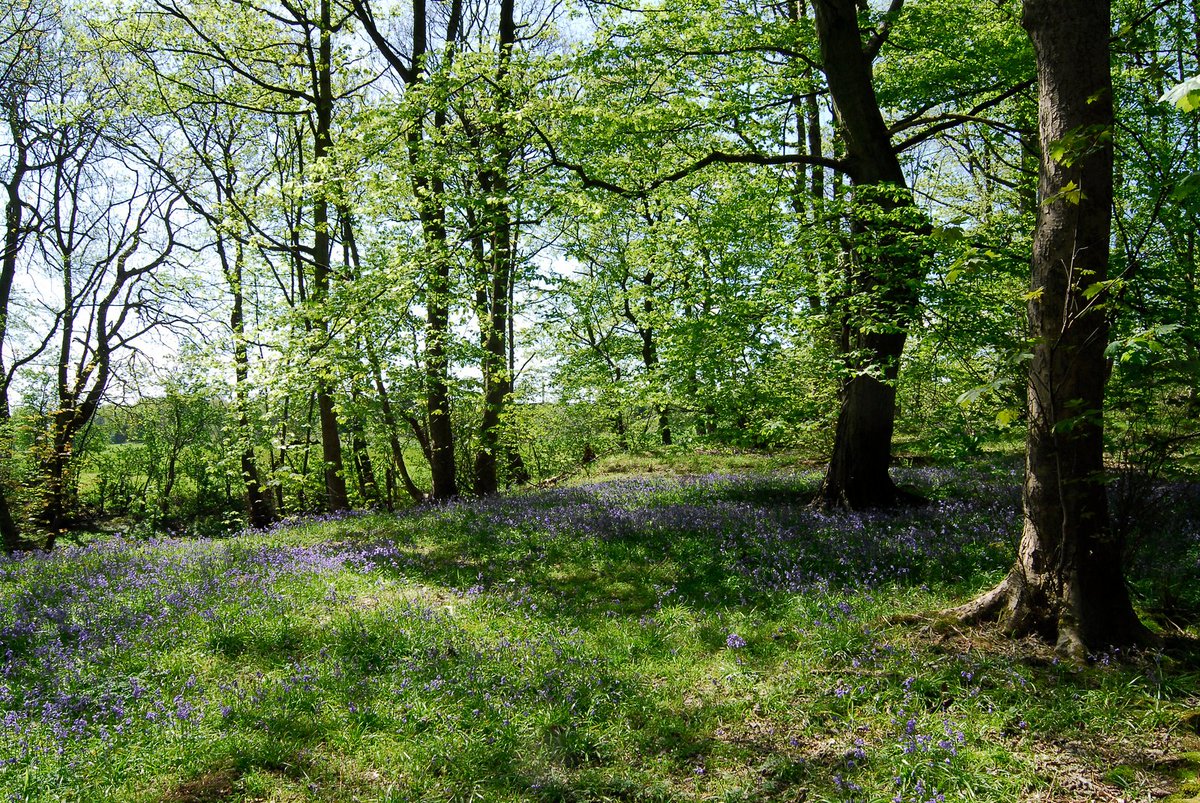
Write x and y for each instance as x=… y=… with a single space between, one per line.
x=654 y=639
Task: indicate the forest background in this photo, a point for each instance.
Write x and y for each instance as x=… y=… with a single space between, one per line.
x=265 y=260
x=377 y=288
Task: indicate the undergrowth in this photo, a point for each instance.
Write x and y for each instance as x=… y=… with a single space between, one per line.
x=680 y=638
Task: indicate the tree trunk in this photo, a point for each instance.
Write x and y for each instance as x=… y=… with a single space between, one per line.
x=886 y=271
x=429 y=191
x=337 y=497
x=444 y=481
x=390 y=424
x=1068 y=583
x=500 y=263
x=364 y=469
x=259 y=513
x=10 y=533
x=641 y=321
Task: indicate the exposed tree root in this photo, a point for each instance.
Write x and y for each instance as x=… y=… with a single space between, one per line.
x=1021 y=609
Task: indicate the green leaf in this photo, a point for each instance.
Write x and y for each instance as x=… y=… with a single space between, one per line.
x=1186 y=187
x=972 y=395
x=1007 y=417
x=1185 y=95
x=948 y=234
x=1071 y=193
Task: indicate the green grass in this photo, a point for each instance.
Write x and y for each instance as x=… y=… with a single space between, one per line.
x=465 y=654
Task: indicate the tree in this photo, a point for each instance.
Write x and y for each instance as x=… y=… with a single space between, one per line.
x=762 y=115
x=1067 y=584
x=885 y=276
x=26 y=71
x=215 y=55
x=429 y=121
x=106 y=234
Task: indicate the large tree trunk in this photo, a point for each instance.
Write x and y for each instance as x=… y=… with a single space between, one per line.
x=496 y=317
x=443 y=479
x=885 y=273
x=1068 y=585
x=336 y=495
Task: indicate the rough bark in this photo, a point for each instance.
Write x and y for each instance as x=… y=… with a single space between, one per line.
x=885 y=272
x=1068 y=584
x=444 y=480
x=430 y=192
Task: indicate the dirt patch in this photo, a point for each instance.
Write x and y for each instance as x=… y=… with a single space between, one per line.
x=211 y=787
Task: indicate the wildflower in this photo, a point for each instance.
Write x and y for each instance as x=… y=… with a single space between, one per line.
x=734 y=642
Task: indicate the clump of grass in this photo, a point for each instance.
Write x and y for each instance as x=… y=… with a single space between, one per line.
x=681 y=638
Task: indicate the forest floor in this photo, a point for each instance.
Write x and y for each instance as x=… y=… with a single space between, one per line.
x=644 y=638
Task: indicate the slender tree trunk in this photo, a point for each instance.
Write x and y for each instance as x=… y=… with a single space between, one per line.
x=8 y=527
x=282 y=460
x=259 y=512
x=306 y=455
x=886 y=270
x=1068 y=583
x=364 y=468
x=54 y=478
x=392 y=427
x=641 y=321
x=429 y=191
x=168 y=486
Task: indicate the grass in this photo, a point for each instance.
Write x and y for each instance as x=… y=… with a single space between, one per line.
x=661 y=639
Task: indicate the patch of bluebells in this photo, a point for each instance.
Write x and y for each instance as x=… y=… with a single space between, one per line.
x=69 y=615
x=82 y=606
x=760 y=530
x=70 y=621
x=929 y=745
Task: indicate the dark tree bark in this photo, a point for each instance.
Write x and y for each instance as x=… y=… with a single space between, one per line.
x=498 y=265
x=337 y=497
x=22 y=61
x=1068 y=584
x=10 y=534
x=642 y=322
x=364 y=469
x=887 y=268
